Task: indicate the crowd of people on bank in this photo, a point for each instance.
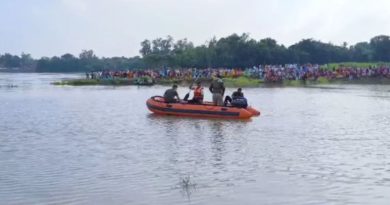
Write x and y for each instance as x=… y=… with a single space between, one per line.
x=268 y=73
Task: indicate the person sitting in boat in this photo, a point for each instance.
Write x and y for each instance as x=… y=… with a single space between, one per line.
x=171 y=95
x=217 y=88
x=237 y=99
x=198 y=94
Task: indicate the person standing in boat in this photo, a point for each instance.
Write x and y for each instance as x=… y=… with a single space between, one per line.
x=171 y=95
x=217 y=88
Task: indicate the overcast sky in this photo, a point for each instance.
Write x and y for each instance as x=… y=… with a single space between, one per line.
x=116 y=27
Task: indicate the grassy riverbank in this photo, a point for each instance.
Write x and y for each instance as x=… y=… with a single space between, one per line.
x=243 y=82
x=229 y=82
x=114 y=82
x=324 y=81
x=331 y=66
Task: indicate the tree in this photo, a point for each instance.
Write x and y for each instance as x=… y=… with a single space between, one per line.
x=231 y=51
x=381 y=48
x=146 y=48
x=362 y=52
x=87 y=54
x=312 y=51
x=158 y=52
x=10 y=61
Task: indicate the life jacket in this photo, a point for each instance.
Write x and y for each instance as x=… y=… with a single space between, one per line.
x=198 y=93
x=240 y=102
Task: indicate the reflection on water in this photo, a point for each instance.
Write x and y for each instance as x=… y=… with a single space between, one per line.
x=188 y=187
x=100 y=145
x=217 y=143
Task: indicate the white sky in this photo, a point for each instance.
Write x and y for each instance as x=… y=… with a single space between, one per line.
x=116 y=27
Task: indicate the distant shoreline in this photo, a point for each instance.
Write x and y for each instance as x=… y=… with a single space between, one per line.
x=229 y=82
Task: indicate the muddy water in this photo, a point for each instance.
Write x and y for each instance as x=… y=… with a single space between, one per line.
x=100 y=145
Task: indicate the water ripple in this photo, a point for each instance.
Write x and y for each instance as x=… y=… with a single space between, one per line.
x=99 y=145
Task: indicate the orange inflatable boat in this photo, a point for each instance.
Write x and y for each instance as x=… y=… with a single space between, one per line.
x=159 y=106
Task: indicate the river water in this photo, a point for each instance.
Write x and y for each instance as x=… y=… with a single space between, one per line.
x=100 y=145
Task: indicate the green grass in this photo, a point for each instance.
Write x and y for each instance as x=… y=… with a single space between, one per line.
x=322 y=80
x=78 y=82
x=168 y=81
x=298 y=83
x=115 y=82
x=242 y=82
x=354 y=65
x=229 y=82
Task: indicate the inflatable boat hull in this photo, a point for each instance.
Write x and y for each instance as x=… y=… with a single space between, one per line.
x=158 y=106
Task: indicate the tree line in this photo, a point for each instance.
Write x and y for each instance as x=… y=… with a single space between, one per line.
x=229 y=52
